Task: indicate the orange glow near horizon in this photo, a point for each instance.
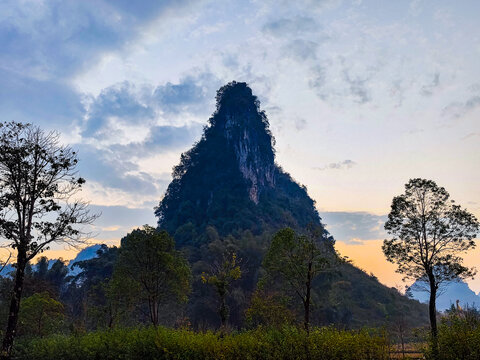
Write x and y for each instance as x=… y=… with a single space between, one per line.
x=365 y=254
x=368 y=256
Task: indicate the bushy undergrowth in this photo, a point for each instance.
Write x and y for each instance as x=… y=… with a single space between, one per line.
x=162 y=343
x=459 y=336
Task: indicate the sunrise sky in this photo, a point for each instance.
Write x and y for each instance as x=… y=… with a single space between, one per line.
x=361 y=97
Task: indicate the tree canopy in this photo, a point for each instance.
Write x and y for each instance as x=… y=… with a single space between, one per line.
x=429 y=234
x=158 y=271
x=38 y=184
x=297 y=259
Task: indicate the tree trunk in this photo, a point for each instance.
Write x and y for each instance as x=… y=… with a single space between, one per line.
x=14 y=306
x=223 y=312
x=153 y=309
x=433 y=313
x=306 y=303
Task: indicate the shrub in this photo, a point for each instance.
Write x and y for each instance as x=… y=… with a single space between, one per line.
x=459 y=335
x=160 y=343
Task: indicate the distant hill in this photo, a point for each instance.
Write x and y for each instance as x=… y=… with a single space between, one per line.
x=228 y=192
x=88 y=253
x=450 y=293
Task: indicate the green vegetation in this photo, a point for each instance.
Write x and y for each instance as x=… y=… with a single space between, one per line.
x=229 y=195
x=221 y=277
x=239 y=248
x=458 y=335
x=297 y=260
x=155 y=272
x=162 y=343
x=40 y=315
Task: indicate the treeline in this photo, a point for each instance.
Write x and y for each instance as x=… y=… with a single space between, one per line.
x=223 y=285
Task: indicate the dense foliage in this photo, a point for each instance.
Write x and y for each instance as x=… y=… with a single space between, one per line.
x=161 y=343
x=228 y=195
x=156 y=273
x=296 y=260
x=458 y=335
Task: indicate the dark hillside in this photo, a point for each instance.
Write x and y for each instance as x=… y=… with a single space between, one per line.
x=228 y=193
x=229 y=179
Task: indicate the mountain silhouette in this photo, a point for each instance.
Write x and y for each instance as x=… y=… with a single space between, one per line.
x=448 y=295
x=229 y=179
x=228 y=193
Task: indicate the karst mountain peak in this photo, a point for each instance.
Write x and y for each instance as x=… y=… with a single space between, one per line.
x=245 y=127
x=229 y=179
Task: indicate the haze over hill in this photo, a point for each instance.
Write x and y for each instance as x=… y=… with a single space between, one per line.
x=449 y=294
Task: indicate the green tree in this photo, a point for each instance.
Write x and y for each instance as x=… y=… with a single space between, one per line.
x=296 y=260
x=429 y=232
x=37 y=183
x=148 y=258
x=221 y=276
x=40 y=315
x=269 y=309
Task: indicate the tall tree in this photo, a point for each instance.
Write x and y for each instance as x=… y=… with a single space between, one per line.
x=296 y=260
x=38 y=181
x=429 y=232
x=221 y=276
x=148 y=259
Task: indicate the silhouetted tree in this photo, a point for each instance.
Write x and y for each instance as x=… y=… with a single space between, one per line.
x=37 y=182
x=428 y=233
x=161 y=274
x=297 y=259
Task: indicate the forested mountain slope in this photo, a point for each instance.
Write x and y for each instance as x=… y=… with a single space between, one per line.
x=228 y=193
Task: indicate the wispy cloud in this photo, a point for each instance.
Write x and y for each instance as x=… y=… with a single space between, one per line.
x=341 y=165
x=291 y=26
x=459 y=109
x=354 y=227
x=427 y=90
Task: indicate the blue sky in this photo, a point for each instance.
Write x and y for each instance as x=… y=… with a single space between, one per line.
x=361 y=96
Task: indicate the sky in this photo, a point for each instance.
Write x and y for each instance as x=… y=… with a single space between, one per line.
x=361 y=96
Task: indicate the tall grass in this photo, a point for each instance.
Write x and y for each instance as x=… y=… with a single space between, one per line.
x=163 y=343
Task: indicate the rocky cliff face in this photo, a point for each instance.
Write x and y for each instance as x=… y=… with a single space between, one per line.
x=229 y=179
x=246 y=131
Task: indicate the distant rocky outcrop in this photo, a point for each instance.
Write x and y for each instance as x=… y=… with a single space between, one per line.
x=88 y=253
x=449 y=294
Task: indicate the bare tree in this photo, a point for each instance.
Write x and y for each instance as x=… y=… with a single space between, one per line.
x=38 y=184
